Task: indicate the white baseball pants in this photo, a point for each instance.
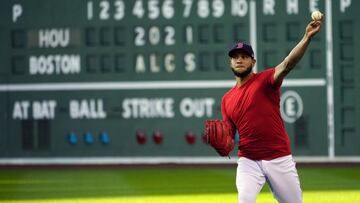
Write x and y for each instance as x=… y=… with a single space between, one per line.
x=279 y=173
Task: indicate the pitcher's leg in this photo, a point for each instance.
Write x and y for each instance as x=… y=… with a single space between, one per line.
x=249 y=180
x=283 y=179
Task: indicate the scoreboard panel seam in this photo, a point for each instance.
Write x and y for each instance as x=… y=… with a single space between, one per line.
x=193 y=84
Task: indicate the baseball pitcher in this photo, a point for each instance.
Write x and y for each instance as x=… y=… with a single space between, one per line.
x=252 y=108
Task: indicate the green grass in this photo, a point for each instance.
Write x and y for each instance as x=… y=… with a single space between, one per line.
x=136 y=185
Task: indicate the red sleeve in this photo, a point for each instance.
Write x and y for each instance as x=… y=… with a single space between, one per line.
x=270 y=76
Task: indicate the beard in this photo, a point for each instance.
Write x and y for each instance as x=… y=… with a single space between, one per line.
x=242 y=74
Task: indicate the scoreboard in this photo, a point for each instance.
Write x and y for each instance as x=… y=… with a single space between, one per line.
x=137 y=78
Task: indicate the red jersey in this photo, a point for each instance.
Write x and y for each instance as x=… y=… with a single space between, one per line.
x=254 y=108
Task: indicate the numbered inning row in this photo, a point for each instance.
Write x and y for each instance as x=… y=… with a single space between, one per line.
x=166 y=9
x=128 y=36
x=70 y=64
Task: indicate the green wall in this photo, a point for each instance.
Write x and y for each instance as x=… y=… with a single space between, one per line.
x=80 y=78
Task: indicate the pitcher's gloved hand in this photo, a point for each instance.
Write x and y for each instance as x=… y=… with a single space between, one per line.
x=219 y=134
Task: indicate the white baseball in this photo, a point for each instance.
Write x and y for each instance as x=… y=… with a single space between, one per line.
x=316 y=15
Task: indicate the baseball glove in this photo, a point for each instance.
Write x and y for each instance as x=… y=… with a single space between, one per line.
x=219 y=135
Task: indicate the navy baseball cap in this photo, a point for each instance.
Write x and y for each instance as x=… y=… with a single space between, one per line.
x=241 y=46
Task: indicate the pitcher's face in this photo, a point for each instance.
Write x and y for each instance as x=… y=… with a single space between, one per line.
x=241 y=64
